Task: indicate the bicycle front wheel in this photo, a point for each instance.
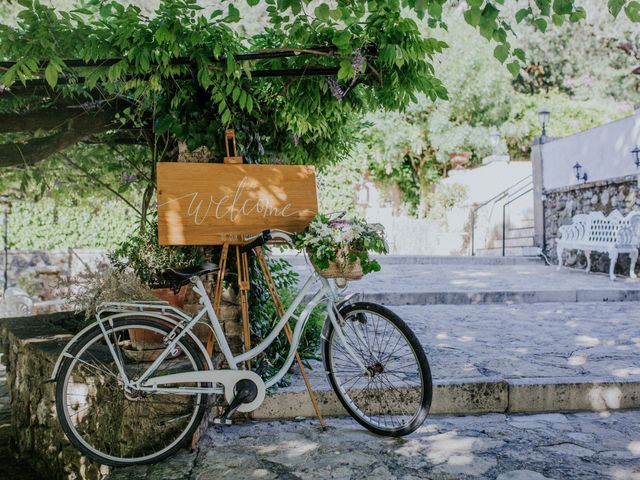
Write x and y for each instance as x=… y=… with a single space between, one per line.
x=393 y=396
x=117 y=426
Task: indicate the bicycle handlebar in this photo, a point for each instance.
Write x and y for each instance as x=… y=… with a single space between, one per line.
x=257 y=241
x=265 y=236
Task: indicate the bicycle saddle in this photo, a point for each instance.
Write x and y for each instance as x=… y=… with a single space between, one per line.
x=177 y=277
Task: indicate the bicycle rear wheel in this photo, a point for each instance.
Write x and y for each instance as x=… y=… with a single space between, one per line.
x=393 y=396
x=120 y=427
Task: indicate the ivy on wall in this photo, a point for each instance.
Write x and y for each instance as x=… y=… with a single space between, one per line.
x=47 y=225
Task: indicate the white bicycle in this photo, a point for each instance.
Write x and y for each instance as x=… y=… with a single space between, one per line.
x=120 y=408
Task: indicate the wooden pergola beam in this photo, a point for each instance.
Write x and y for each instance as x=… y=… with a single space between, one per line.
x=239 y=57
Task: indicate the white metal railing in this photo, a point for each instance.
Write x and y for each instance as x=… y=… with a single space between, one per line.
x=504 y=198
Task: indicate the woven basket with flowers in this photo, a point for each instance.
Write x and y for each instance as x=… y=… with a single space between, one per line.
x=339 y=247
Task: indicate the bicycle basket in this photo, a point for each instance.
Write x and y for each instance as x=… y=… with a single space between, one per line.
x=352 y=271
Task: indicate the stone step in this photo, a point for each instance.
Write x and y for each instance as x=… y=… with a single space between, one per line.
x=482 y=297
x=526 y=223
x=298 y=261
x=511 y=358
x=476 y=396
x=513 y=242
x=521 y=232
x=509 y=251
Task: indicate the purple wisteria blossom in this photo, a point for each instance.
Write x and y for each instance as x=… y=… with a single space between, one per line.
x=296 y=139
x=127 y=178
x=336 y=91
x=357 y=62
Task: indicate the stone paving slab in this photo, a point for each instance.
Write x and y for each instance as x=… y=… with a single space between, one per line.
x=522 y=341
x=475 y=282
x=495 y=446
x=525 y=357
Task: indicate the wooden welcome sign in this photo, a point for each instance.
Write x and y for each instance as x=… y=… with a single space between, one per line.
x=210 y=204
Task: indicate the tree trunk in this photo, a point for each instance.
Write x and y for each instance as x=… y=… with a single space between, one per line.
x=71 y=132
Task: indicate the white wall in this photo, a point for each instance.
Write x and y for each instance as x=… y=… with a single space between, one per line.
x=604 y=152
x=450 y=235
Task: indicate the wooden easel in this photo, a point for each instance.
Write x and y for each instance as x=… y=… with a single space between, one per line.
x=244 y=285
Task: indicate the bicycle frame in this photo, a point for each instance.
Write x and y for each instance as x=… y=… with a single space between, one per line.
x=326 y=293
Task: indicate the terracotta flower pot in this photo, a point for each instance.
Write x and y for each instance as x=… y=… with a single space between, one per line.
x=146 y=340
x=459 y=160
x=175 y=299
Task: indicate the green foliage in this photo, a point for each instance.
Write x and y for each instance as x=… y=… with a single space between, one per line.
x=267 y=113
x=411 y=149
x=263 y=316
x=48 y=225
x=338 y=183
x=296 y=121
x=84 y=176
x=177 y=70
x=401 y=175
x=141 y=253
x=443 y=198
x=589 y=59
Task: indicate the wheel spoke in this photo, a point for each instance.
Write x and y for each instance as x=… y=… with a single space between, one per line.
x=141 y=425
x=385 y=398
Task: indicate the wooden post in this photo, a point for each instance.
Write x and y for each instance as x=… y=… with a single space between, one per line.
x=287 y=329
x=244 y=284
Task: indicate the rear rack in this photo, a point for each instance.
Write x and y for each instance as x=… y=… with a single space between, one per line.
x=141 y=306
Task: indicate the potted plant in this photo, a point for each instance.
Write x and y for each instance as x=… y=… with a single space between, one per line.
x=459 y=159
x=142 y=255
x=339 y=247
x=109 y=284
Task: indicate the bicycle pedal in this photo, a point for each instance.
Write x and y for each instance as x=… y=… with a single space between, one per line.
x=222 y=421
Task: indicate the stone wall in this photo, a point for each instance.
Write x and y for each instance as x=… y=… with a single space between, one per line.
x=31 y=346
x=560 y=205
x=63 y=263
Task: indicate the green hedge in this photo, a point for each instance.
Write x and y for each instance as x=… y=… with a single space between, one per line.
x=46 y=226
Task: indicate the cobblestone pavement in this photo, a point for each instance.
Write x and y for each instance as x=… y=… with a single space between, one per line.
x=522 y=341
x=496 y=446
x=451 y=277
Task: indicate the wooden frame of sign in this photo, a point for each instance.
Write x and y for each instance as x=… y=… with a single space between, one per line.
x=220 y=204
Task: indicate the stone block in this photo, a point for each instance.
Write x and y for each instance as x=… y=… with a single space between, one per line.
x=570 y=393
x=469 y=396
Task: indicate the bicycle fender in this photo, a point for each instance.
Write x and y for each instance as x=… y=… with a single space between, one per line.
x=65 y=352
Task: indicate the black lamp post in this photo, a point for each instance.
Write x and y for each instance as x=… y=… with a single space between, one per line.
x=636 y=156
x=578 y=168
x=494 y=136
x=543 y=115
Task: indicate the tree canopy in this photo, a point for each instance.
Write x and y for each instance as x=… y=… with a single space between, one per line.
x=107 y=73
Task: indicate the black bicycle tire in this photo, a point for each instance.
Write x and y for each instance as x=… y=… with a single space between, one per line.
x=69 y=432
x=421 y=358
